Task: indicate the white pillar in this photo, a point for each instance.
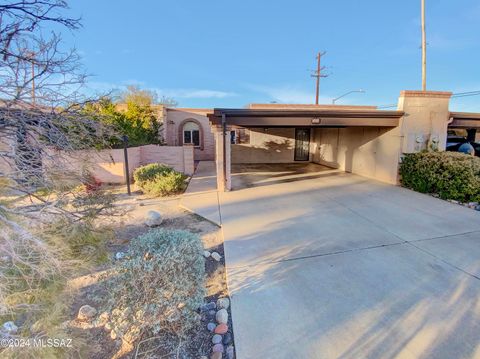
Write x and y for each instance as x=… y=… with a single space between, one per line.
x=224 y=178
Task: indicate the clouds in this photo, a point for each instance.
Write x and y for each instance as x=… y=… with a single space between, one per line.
x=177 y=93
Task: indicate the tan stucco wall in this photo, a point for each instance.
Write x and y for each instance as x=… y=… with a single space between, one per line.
x=271 y=145
x=426 y=119
x=173 y=128
x=368 y=151
x=107 y=166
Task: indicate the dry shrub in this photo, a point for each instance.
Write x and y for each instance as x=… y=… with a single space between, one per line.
x=159 y=286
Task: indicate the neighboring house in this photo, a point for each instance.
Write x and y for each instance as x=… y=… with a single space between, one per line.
x=182 y=126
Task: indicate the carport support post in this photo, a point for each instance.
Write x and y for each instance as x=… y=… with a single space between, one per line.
x=223 y=157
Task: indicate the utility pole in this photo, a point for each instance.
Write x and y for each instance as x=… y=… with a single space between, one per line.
x=424 y=50
x=318 y=73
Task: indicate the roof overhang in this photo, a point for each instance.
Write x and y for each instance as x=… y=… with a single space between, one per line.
x=464 y=120
x=305 y=118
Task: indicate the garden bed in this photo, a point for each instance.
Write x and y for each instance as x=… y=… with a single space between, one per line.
x=89 y=289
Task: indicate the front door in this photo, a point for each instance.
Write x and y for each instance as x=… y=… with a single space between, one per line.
x=302 y=144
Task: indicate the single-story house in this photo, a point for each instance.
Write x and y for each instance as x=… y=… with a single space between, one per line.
x=357 y=139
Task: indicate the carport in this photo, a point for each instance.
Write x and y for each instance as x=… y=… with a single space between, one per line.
x=361 y=139
x=468 y=121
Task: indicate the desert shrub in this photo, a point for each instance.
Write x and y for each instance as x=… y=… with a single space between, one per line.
x=159 y=285
x=159 y=180
x=148 y=173
x=451 y=175
x=170 y=183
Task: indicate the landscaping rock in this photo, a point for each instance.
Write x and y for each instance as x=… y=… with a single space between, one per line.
x=211 y=313
x=230 y=352
x=86 y=312
x=206 y=254
x=221 y=329
x=218 y=348
x=211 y=327
x=217 y=339
x=222 y=316
x=207 y=307
x=119 y=255
x=153 y=219
x=227 y=339
x=113 y=334
x=216 y=355
x=9 y=327
x=223 y=303
x=478 y=208
x=216 y=256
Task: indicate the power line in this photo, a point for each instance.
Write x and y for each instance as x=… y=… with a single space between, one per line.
x=455 y=95
x=465 y=94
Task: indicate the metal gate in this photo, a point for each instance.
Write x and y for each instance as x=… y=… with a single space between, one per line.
x=302 y=144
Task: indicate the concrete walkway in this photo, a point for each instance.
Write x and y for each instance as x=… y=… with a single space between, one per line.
x=324 y=264
x=201 y=196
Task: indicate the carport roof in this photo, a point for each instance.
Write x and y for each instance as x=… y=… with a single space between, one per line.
x=305 y=117
x=464 y=120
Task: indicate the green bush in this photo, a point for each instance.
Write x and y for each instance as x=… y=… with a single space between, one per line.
x=159 y=180
x=451 y=175
x=159 y=285
x=147 y=173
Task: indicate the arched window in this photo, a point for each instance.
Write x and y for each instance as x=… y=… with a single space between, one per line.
x=191 y=133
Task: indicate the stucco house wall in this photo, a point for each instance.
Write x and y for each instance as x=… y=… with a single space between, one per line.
x=368 y=151
x=175 y=119
x=266 y=145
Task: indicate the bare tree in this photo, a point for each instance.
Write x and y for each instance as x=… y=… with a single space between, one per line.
x=41 y=107
x=40 y=89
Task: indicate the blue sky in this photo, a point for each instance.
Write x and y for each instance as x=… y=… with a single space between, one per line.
x=224 y=53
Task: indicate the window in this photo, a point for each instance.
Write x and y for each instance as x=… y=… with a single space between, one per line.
x=191 y=134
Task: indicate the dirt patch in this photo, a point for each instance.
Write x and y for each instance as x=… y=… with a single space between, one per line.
x=128 y=225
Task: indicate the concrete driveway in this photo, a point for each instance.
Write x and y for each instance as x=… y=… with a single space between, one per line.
x=324 y=264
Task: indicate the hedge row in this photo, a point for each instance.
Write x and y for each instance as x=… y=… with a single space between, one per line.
x=451 y=175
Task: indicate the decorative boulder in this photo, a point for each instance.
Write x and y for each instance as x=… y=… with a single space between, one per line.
x=222 y=316
x=223 y=303
x=221 y=329
x=86 y=312
x=153 y=219
x=227 y=339
x=216 y=256
x=218 y=348
x=216 y=339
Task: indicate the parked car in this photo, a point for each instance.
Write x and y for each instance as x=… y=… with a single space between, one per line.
x=454 y=143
